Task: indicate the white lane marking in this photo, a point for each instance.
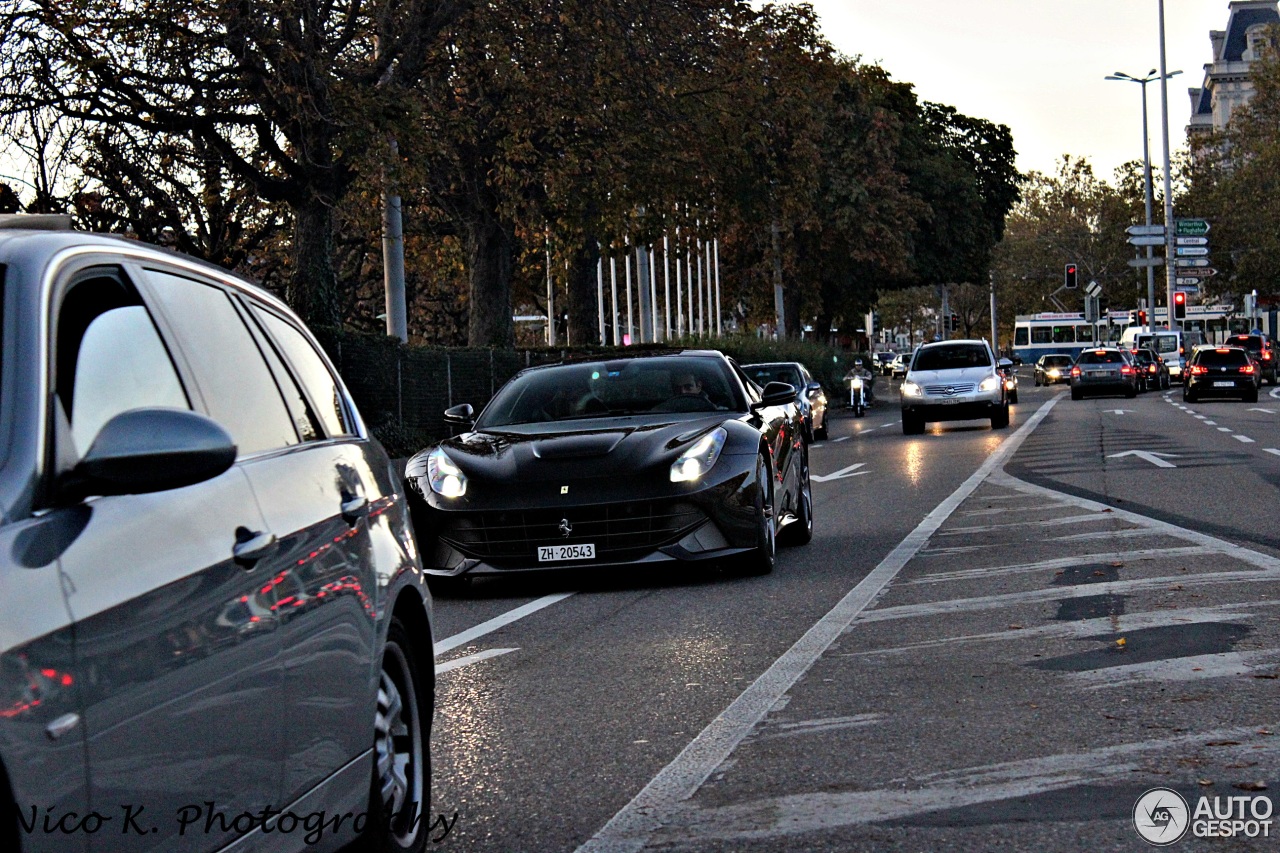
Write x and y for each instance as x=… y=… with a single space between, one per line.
x=488 y=627
x=1006 y=510
x=842 y=474
x=1202 y=417
x=1153 y=457
x=1189 y=668
x=819 y=726
x=649 y=810
x=995 y=602
x=467 y=660
x=1039 y=522
x=1243 y=438
x=1062 y=563
x=840 y=439
x=1275 y=393
x=1273 y=451
x=1224 y=429
x=1266 y=411
x=1103 y=534
x=1210 y=423
x=1118 y=411
x=827 y=811
x=894 y=424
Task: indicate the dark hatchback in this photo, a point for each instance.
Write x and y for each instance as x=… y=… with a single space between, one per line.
x=210 y=592
x=644 y=461
x=1153 y=373
x=1103 y=371
x=1221 y=372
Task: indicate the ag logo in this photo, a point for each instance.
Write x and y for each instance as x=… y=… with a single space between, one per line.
x=1161 y=816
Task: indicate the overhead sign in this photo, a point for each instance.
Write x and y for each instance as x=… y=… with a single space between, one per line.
x=1192 y=251
x=1147 y=241
x=1145 y=230
x=1192 y=227
x=1192 y=241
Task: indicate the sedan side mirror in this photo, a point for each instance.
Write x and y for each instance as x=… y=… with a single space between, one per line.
x=150 y=450
x=460 y=415
x=776 y=394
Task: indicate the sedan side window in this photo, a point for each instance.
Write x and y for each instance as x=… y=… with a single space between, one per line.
x=238 y=388
x=110 y=359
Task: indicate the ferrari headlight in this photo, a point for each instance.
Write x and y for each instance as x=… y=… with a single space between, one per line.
x=910 y=389
x=991 y=383
x=446 y=478
x=698 y=459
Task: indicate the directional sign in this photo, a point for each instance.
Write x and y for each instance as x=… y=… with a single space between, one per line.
x=1187 y=288
x=1192 y=241
x=1145 y=230
x=1192 y=228
x=1153 y=457
x=1147 y=241
x=1192 y=251
x=851 y=471
x=1188 y=282
x=1147 y=262
x=1188 y=262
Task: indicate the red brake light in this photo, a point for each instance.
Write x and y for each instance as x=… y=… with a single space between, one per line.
x=1151 y=369
x=1126 y=370
x=1075 y=371
x=1198 y=370
x=1248 y=368
x=1266 y=355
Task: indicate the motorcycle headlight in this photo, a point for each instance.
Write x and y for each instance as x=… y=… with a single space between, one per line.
x=991 y=383
x=910 y=389
x=855 y=382
x=698 y=459
x=447 y=479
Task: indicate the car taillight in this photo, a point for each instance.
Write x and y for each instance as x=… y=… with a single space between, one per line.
x=1125 y=370
x=1198 y=370
x=1266 y=355
x=1075 y=371
x=1248 y=368
x=1151 y=369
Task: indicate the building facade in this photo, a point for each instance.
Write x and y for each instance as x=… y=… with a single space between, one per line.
x=1227 y=80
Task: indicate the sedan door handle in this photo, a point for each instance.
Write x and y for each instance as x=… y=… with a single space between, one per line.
x=257 y=545
x=353 y=509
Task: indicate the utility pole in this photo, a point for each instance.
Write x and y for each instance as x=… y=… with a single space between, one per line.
x=393 y=257
x=1170 y=228
x=995 y=339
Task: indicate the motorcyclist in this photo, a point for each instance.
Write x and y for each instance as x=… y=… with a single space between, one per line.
x=868 y=380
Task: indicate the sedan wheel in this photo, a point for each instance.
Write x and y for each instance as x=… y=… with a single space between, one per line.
x=398 y=803
x=800 y=531
x=759 y=561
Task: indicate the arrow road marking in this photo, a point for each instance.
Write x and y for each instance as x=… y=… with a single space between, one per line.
x=851 y=471
x=1272 y=451
x=1118 y=411
x=1152 y=457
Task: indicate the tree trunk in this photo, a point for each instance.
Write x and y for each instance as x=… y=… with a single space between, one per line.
x=792 y=316
x=490 y=260
x=313 y=288
x=584 y=319
x=822 y=329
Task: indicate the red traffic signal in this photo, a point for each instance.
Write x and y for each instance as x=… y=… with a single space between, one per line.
x=1069 y=276
x=1180 y=306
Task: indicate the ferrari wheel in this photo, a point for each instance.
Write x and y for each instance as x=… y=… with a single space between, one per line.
x=400 y=791
x=759 y=561
x=800 y=531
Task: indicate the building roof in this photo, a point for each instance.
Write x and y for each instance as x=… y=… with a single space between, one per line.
x=1245 y=14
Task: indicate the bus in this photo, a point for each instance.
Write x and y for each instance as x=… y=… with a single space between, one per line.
x=1064 y=332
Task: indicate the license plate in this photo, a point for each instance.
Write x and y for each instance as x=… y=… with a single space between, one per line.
x=1098 y=374
x=949 y=401
x=556 y=553
x=1222 y=384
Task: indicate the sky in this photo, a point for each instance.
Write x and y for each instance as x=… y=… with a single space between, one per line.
x=1038 y=65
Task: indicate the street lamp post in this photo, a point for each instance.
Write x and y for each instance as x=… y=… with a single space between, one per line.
x=1146 y=165
x=1169 y=226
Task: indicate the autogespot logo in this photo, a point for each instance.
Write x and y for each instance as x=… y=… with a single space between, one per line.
x=1161 y=816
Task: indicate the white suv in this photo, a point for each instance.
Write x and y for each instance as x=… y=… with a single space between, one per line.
x=953 y=381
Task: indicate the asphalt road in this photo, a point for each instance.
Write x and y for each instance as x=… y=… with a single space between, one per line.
x=996 y=640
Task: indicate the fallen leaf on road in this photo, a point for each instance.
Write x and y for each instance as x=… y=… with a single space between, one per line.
x=1223 y=743
x=1271 y=677
x=1099 y=574
x=1251 y=786
x=1108 y=510
x=1240 y=765
x=1117 y=564
x=1120 y=643
x=1264 y=731
x=1195 y=668
x=1176 y=586
x=1019 y=627
x=1205 y=782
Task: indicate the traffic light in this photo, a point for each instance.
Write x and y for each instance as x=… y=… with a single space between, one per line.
x=1180 y=306
x=1142 y=318
x=1070 y=276
x=955 y=322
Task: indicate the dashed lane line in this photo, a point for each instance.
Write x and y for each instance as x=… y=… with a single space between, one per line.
x=491 y=625
x=1243 y=438
x=467 y=660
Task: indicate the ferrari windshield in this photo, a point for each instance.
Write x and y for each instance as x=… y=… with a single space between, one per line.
x=601 y=389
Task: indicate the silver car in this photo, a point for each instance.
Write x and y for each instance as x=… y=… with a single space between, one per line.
x=953 y=381
x=213 y=607
x=1105 y=370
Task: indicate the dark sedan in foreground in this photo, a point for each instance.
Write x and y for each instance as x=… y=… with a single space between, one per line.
x=1221 y=372
x=647 y=460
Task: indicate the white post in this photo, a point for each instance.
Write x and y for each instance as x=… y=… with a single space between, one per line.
x=715 y=244
x=551 y=299
x=679 y=290
x=600 y=295
x=613 y=286
x=1169 y=227
x=626 y=264
x=688 y=274
x=653 y=296
x=666 y=281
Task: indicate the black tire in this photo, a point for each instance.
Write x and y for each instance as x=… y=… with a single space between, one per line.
x=912 y=425
x=759 y=561
x=1000 y=420
x=1077 y=394
x=1013 y=398
x=800 y=531
x=1251 y=397
x=821 y=434
x=1130 y=393
x=400 y=789
x=1037 y=381
x=1187 y=396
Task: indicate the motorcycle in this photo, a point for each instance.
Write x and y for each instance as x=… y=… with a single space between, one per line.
x=857 y=396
